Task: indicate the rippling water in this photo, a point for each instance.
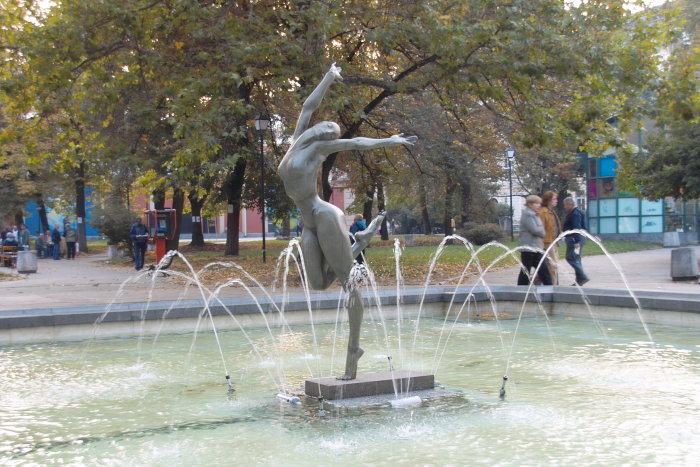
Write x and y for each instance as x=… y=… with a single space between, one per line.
x=574 y=396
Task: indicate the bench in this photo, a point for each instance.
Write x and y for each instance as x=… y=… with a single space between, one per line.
x=8 y=256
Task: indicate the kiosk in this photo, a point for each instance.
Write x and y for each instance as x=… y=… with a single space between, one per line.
x=162 y=224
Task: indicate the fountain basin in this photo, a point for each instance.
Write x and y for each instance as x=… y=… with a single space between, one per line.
x=129 y=319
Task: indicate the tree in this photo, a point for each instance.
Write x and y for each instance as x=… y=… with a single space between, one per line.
x=167 y=89
x=672 y=165
x=552 y=70
x=668 y=164
x=456 y=167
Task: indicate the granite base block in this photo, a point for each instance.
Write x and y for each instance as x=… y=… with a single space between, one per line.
x=370 y=384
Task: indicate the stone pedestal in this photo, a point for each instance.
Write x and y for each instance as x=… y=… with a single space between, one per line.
x=26 y=262
x=370 y=384
x=672 y=240
x=684 y=264
x=113 y=251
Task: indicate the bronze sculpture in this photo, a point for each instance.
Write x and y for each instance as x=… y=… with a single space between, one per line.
x=324 y=240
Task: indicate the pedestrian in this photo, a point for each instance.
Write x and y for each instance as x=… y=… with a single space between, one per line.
x=575 y=220
x=71 y=236
x=39 y=244
x=552 y=229
x=56 y=240
x=43 y=244
x=139 y=239
x=358 y=225
x=300 y=226
x=23 y=237
x=531 y=235
x=10 y=240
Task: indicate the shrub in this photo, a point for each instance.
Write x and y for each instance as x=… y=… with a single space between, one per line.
x=114 y=222
x=484 y=233
x=467 y=226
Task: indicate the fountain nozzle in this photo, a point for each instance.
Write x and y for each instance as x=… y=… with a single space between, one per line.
x=294 y=400
x=502 y=393
x=321 y=410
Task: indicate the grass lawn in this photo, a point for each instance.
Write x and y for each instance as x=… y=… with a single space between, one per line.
x=380 y=256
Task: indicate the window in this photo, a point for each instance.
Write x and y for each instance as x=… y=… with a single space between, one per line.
x=628 y=206
x=651 y=208
x=607 y=188
x=593 y=209
x=607 y=207
x=652 y=224
x=628 y=225
x=608 y=225
x=607 y=166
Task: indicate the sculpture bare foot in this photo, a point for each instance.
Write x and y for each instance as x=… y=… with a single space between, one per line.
x=363 y=237
x=351 y=364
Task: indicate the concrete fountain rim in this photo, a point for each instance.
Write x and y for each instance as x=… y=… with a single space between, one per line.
x=137 y=311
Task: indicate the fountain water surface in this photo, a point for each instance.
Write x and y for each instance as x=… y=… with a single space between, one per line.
x=573 y=396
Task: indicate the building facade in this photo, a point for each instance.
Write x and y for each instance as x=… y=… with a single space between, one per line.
x=614 y=213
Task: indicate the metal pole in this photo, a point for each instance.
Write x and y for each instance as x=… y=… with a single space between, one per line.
x=510 y=184
x=262 y=194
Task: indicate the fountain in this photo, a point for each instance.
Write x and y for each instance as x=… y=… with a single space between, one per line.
x=527 y=375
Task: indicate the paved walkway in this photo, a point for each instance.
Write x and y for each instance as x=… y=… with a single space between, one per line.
x=648 y=270
x=88 y=281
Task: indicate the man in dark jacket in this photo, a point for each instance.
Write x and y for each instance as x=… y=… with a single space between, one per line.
x=358 y=225
x=575 y=220
x=56 y=239
x=139 y=238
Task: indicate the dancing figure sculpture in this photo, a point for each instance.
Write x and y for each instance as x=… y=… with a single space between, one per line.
x=324 y=241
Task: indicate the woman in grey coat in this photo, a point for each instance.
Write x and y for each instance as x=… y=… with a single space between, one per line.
x=532 y=235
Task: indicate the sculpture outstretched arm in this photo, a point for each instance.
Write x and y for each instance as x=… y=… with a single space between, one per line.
x=361 y=143
x=314 y=100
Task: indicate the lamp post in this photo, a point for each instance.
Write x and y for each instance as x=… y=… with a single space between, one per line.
x=510 y=155
x=262 y=123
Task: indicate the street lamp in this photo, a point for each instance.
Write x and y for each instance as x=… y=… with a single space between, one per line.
x=262 y=123
x=510 y=155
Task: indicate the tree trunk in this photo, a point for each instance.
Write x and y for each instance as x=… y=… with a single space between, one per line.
x=43 y=218
x=449 y=202
x=381 y=206
x=425 y=216
x=178 y=204
x=286 y=226
x=325 y=176
x=158 y=198
x=367 y=205
x=466 y=191
x=233 y=188
x=80 y=206
x=196 y=204
x=19 y=218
